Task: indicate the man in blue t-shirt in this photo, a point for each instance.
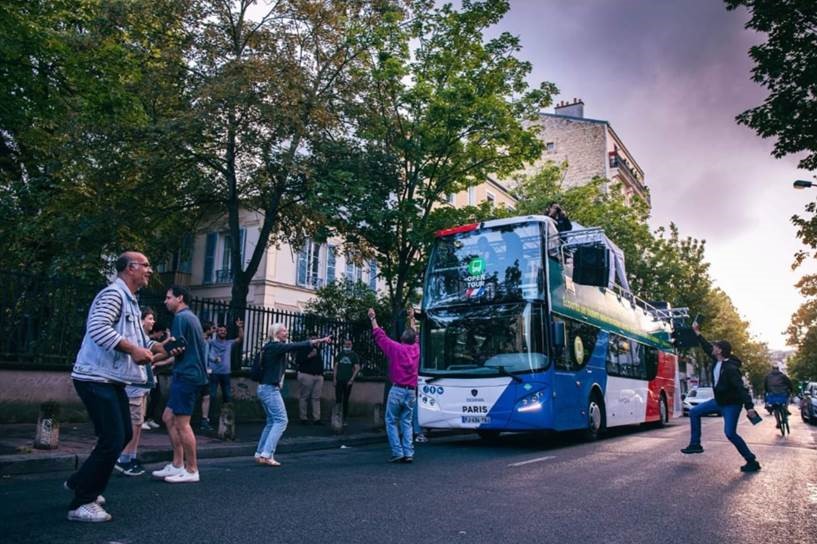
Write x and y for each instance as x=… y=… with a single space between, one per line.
x=220 y=351
x=189 y=374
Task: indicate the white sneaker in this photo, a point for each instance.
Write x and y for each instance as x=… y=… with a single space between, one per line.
x=168 y=470
x=91 y=512
x=146 y=427
x=183 y=477
x=100 y=500
x=152 y=424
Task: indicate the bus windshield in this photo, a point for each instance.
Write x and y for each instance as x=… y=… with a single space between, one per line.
x=501 y=264
x=484 y=340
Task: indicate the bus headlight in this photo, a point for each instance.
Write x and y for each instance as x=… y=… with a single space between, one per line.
x=531 y=403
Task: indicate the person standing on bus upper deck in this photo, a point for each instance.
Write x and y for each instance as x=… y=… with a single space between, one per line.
x=555 y=212
x=730 y=394
x=404 y=365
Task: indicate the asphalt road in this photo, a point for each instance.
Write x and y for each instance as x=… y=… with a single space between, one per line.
x=632 y=487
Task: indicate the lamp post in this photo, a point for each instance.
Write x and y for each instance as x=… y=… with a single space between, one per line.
x=803 y=184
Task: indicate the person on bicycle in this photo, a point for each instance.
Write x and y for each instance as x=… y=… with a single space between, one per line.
x=778 y=388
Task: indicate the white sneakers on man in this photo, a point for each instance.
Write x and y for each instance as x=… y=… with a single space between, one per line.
x=100 y=500
x=91 y=512
x=183 y=477
x=169 y=470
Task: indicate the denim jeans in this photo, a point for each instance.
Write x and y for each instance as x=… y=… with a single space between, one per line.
x=399 y=411
x=415 y=419
x=108 y=408
x=224 y=381
x=730 y=413
x=276 y=411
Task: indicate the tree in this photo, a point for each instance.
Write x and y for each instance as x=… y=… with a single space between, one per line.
x=802 y=332
x=347 y=301
x=786 y=65
x=442 y=109
x=83 y=83
x=260 y=93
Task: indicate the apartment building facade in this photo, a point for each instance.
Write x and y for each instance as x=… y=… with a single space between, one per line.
x=591 y=148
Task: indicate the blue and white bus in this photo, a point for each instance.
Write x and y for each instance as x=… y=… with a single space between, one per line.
x=520 y=333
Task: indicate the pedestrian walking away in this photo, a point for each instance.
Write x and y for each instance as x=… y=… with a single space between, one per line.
x=730 y=396
x=404 y=361
x=346 y=370
x=113 y=353
x=189 y=375
x=273 y=367
x=310 y=382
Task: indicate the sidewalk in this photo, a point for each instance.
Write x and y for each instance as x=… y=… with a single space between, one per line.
x=77 y=439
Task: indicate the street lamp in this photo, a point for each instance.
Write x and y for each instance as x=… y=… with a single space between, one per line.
x=803 y=184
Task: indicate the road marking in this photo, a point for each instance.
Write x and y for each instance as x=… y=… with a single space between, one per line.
x=529 y=461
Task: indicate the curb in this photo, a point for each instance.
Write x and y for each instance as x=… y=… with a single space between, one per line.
x=58 y=462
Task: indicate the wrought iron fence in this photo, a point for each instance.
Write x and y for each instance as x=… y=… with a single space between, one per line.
x=42 y=320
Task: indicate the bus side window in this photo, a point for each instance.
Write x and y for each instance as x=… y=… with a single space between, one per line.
x=651 y=362
x=587 y=335
x=639 y=361
x=559 y=334
x=612 y=355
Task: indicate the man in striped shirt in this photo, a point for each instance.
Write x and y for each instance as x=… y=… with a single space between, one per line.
x=113 y=354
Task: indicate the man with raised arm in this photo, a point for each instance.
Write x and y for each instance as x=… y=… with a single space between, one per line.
x=404 y=363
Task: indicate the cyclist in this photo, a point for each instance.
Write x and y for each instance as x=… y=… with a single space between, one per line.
x=778 y=388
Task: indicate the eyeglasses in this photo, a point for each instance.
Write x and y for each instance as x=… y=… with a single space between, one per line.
x=146 y=265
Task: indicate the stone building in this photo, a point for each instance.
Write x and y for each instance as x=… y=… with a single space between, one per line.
x=591 y=148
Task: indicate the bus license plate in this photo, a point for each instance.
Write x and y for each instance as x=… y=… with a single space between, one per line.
x=476 y=420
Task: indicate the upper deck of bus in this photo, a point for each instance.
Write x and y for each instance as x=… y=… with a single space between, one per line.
x=507 y=260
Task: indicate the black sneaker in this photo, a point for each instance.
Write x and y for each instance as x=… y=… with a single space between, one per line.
x=205 y=426
x=396 y=459
x=135 y=468
x=407 y=460
x=751 y=466
x=693 y=448
x=121 y=467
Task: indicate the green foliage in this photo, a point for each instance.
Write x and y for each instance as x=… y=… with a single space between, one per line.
x=348 y=301
x=443 y=108
x=802 y=332
x=786 y=65
x=82 y=84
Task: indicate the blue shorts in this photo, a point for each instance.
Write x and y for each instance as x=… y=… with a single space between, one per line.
x=182 y=397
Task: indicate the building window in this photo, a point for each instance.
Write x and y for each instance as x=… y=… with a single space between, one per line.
x=209 y=257
x=309 y=265
x=353 y=273
x=373 y=275
x=472 y=196
x=490 y=197
x=225 y=274
x=330 y=264
x=450 y=198
x=550 y=147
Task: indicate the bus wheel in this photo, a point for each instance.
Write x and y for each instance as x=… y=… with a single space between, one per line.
x=595 y=418
x=489 y=436
x=662 y=411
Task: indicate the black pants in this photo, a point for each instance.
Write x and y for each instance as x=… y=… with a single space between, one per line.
x=343 y=390
x=107 y=406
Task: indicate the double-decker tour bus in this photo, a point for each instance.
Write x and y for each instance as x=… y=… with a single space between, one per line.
x=527 y=329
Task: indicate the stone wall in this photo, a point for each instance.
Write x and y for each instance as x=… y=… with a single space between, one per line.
x=25 y=390
x=581 y=143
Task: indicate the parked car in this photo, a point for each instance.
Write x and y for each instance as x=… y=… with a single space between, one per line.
x=697 y=396
x=808 y=403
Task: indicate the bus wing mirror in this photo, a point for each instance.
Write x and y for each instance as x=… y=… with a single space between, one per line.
x=558 y=335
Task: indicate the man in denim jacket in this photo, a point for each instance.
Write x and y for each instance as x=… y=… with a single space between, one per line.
x=112 y=356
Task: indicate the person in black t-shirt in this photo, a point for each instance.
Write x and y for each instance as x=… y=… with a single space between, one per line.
x=310 y=379
x=344 y=374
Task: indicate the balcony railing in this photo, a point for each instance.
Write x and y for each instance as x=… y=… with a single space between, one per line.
x=627 y=171
x=225 y=275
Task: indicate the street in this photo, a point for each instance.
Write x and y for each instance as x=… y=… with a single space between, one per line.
x=634 y=486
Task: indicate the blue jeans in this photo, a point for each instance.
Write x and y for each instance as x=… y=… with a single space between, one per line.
x=415 y=420
x=276 y=411
x=399 y=410
x=730 y=413
x=109 y=411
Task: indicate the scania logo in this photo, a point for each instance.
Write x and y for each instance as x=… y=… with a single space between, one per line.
x=474 y=392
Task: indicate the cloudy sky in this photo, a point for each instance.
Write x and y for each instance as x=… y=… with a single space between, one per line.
x=670 y=77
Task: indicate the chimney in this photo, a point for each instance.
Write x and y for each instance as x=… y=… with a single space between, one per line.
x=570 y=109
